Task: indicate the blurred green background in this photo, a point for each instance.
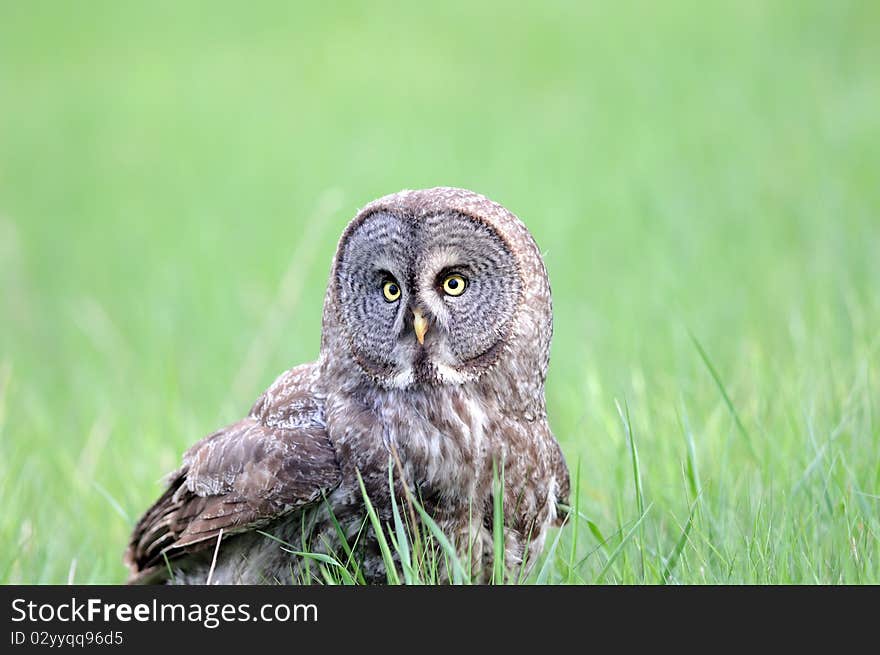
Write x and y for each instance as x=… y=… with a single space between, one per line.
x=174 y=176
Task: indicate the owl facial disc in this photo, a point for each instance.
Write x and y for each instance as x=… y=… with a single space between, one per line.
x=425 y=297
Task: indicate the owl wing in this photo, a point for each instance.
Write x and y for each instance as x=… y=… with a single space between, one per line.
x=277 y=460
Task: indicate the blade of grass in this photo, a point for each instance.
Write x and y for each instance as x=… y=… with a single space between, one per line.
x=601 y=540
x=551 y=553
x=413 y=523
x=110 y=499
x=168 y=566
x=329 y=561
x=390 y=569
x=739 y=424
x=672 y=560
x=602 y=545
x=591 y=525
x=693 y=474
x=617 y=551
x=458 y=574
x=349 y=550
x=637 y=474
x=322 y=558
x=328 y=579
x=497 y=524
x=572 y=555
x=520 y=577
x=401 y=543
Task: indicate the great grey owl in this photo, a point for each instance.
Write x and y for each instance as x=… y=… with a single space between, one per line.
x=434 y=351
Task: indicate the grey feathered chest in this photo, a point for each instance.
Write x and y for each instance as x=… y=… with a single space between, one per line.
x=445 y=445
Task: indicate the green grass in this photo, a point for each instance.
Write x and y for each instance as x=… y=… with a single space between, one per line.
x=702 y=179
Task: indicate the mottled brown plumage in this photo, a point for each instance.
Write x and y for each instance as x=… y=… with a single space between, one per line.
x=449 y=383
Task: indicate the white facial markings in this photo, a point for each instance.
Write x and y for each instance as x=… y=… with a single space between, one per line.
x=402 y=379
x=434 y=263
x=449 y=375
x=440 y=258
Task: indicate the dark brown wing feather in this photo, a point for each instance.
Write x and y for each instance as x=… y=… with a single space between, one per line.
x=240 y=478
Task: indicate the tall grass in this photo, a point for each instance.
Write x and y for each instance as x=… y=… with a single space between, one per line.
x=701 y=178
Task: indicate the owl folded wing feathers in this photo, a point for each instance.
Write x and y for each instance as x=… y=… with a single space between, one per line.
x=240 y=478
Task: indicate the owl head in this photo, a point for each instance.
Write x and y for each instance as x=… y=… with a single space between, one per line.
x=437 y=287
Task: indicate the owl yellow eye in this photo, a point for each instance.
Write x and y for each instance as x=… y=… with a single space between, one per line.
x=391 y=290
x=454 y=284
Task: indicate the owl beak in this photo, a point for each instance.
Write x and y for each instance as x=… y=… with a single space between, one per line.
x=420 y=325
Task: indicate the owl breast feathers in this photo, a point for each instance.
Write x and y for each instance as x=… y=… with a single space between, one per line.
x=434 y=350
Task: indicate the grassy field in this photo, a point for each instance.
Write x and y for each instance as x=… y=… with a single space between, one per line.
x=704 y=181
